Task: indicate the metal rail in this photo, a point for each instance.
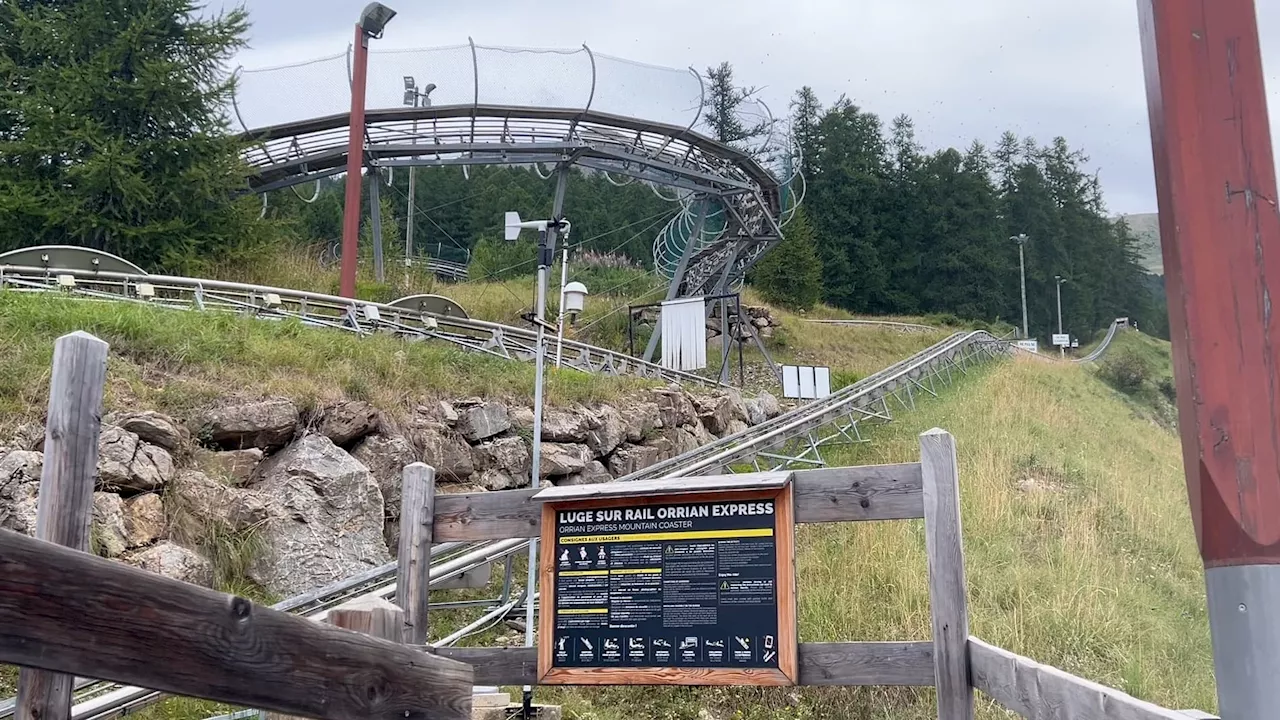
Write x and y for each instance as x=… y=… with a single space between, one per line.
x=320 y=310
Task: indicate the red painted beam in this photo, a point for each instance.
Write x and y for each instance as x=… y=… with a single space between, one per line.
x=355 y=163
x=1220 y=232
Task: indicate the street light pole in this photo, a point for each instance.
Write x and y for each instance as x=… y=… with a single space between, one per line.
x=1061 y=348
x=1022 y=264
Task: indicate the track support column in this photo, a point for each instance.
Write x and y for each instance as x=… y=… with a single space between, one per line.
x=1220 y=232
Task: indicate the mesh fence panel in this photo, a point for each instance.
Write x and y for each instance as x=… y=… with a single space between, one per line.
x=450 y=68
x=648 y=92
x=288 y=93
x=538 y=78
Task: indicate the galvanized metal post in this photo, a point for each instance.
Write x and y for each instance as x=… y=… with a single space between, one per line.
x=355 y=162
x=375 y=222
x=1022 y=267
x=1220 y=232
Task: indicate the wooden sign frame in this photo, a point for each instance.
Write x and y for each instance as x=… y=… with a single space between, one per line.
x=787 y=672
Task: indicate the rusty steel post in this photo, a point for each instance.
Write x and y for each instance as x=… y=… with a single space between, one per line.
x=355 y=163
x=1220 y=231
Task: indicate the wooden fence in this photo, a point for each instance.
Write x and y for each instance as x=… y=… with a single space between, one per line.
x=65 y=611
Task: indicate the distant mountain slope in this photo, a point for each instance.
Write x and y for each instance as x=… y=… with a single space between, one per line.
x=1147 y=227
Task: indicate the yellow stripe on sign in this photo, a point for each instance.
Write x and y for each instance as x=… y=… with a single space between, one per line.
x=582 y=611
x=691 y=535
x=636 y=571
x=583 y=573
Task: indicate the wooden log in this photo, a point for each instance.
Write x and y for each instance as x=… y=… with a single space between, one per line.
x=830 y=664
x=417 y=518
x=66 y=488
x=876 y=492
x=1041 y=692
x=70 y=612
x=948 y=604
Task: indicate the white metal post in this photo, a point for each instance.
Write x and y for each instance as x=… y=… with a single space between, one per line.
x=545 y=253
x=564 y=278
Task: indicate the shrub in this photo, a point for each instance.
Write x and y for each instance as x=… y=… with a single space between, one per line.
x=1126 y=370
x=1168 y=389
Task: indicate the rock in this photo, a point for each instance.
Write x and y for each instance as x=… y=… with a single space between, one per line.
x=328 y=519
x=478 y=420
x=174 y=561
x=594 y=472
x=718 y=412
x=108 y=536
x=769 y=404
x=444 y=450
x=760 y=322
x=208 y=503
x=144 y=520
x=522 y=417
x=755 y=414
x=266 y=424
x=236 y=466
x=160 y=430
x=565 y=426
x=674 y=408
x=386 y=458
x=503 y=463
x=631 y=458
x=126 y=464
x=347 y=422
x=683 y=439
x=19 y=485
x=641 y=420
x=766 y=332
x=29 y=436
x=559 y=459
x=608 y=432
x=736 y=426
x=448 y=415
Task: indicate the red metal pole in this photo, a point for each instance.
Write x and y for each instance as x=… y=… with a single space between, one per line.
x=1220 y=231
x=355 y=163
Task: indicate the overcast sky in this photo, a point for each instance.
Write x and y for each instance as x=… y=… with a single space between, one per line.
x=961 y=70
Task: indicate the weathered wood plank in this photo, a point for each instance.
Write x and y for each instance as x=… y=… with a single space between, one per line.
x=661 y=486
x=948 y=603
x=417 y=517
x=66 y=489
x=833 y=664
x=70 y=612
x=874 y=492
x=1041 y=692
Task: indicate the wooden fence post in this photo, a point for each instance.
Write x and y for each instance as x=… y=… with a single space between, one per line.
x=417 y=519
x=66 y=488
x=948 y=605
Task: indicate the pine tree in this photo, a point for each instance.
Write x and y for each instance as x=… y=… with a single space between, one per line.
x=806 y=113
x=720 y=109
x=791 y=274
x=113 y=133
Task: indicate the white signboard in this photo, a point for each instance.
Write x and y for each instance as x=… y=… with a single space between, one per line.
x=1028 y=345
x=805 y=382
x=1061 y=339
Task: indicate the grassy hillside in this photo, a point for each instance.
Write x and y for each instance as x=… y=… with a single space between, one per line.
x=1078 y=544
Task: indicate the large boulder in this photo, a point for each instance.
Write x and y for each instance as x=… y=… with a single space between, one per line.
x=386 y=457
x=152 y=427
x=607 y=432
x=565 y=426
x=443 y=449
x=641 y=418
x=560 y=459
x=265 y=424
x=209 y=503
x=674 y=407
x=19 y=485
x=347 y=422
x=328 y=519
x=631 y=458
x=174 y=561
x=107 y=532
x=769 y=404
x=235 y=466
x=719 y=412
x=144 y=520
x=479 y=420
x=594 y=472
x=503 y=463
x=125 y=464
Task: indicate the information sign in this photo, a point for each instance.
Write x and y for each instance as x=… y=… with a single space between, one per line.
x=675 y=588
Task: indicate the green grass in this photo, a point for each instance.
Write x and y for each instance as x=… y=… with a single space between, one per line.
x=1078 y=545
x=180 y=361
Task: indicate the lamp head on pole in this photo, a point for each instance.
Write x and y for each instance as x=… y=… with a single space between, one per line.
x=575 y=299
x=513 y=225
x=374 y=19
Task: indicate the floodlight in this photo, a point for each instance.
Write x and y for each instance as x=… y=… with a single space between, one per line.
x=411 y=98
x=427 y=90
x=410 y=83
x=513 y=225
x=375 y=18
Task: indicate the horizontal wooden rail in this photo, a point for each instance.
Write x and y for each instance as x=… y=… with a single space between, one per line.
x=834 y=664
x=71 y=612
x=1041 y=692
x=872 y=492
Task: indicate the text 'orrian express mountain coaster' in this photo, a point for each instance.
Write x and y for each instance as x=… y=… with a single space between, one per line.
x=687 y=581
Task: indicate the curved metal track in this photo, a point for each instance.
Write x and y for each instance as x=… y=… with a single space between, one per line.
x=328 y=311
